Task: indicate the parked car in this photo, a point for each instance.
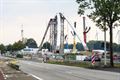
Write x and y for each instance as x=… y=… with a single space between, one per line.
x=89 y=58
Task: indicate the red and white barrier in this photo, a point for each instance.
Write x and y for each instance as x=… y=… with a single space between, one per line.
x=93 y=58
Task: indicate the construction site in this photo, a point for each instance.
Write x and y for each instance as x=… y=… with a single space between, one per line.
x=58 y=52
x=57 y=40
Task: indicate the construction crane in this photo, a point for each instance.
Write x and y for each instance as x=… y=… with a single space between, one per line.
x=52 y=25
x=62 y=24
x=53 y=33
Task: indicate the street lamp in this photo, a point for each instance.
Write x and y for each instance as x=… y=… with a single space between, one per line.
x=105 y=29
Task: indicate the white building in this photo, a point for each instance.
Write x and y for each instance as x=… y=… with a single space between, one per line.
x=30 y=50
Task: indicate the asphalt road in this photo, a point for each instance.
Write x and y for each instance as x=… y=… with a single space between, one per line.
x=43 y=71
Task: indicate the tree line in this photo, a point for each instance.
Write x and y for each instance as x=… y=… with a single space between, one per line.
x=91 y=45
x=19 y=45
x=96 y=45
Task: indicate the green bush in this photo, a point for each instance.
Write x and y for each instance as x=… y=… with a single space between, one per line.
x=19 y=56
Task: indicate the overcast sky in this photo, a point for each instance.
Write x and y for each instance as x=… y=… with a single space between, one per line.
x=35 y=14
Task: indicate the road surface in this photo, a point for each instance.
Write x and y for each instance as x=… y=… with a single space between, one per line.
x=43 y=71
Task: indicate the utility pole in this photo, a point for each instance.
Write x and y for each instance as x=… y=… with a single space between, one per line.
x=105 y=63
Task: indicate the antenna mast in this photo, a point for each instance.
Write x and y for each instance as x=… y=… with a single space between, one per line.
x=22 y=38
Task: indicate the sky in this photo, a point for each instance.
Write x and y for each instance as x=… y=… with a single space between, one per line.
x=34 y=16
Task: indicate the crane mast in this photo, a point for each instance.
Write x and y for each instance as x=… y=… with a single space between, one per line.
x=62 y=18
x=53 y=33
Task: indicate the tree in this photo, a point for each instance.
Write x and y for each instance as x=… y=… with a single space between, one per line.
x=79 y=46
x=70 y=46
x=31 y=43
x=2 y=48
x=46 y=45
x=9 y=47
x=18 y=46
x=105 y=13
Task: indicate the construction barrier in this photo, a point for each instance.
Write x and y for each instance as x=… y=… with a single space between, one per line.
x=93 y=58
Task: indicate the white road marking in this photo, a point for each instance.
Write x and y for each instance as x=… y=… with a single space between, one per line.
x=36 y=77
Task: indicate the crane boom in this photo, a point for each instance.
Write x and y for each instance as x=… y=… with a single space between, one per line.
x=40 y=47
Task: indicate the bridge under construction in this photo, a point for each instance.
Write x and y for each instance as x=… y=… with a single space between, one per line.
x=52 y=28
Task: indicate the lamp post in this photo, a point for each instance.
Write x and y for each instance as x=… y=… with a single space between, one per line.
x=105 y=63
